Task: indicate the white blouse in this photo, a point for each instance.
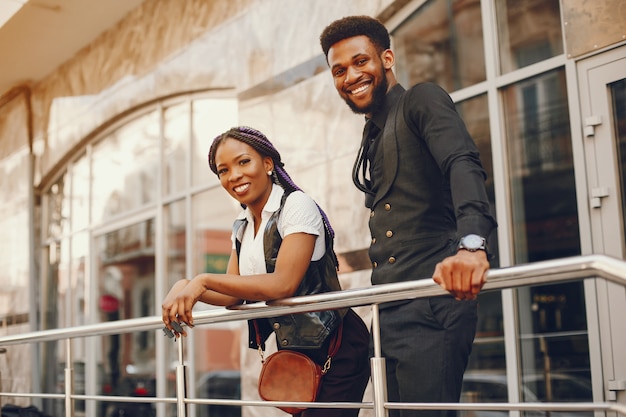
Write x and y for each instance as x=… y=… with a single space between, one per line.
x=299 y=215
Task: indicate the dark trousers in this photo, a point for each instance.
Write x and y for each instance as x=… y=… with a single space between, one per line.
x=426 y=344
x=349 y=372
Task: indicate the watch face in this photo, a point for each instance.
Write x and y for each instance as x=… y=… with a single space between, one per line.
x=472 y=242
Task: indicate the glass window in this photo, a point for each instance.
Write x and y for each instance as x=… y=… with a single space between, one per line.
x=553 y=337
x=541 y=169
x=213 y=214
x=210 y=118
x=176 y=147
x=441 y=42
x=58 y=208
x=529 y=31
x=485 y=377
x=125 y=168
x=125 y=267
x=554 y=343
x=80 y=194
x=618 y=102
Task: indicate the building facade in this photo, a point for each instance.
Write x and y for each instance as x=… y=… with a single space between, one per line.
x=107 y=198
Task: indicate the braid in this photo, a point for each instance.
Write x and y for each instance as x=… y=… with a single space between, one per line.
x=261 y=143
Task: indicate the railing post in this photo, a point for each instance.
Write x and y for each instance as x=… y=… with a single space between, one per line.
x=181 y=382
x=379 y=373
x=69 y=381
x=2 y=351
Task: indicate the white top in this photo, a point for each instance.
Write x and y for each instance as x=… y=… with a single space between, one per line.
x=299 y=215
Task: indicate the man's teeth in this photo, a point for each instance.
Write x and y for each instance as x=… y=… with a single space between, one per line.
x=360 y=89
x=241 y=188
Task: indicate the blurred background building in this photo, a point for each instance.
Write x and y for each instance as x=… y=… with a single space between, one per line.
x=107 y=110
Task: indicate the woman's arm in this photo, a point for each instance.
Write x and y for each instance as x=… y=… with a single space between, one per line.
x=294 y=257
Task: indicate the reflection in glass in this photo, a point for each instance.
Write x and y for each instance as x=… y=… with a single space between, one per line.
x=554 y=344
x=541 y=169
x=125 y=265
x=441 y=42
x=58 y=208
x=485 y=377
x=553 y=337
x=210 y=118
x=80 y=193
x=176 y=146
x=529 y=31
x=618 y=98
x=213 y=214
x=125 y=168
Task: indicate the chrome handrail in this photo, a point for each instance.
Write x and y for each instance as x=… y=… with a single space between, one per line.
x=543 y=272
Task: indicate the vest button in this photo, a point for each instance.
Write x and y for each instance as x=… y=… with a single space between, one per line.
x=389 y=233
x=372 y=213
x=392 y=259
x=276 y=326
x=374 y=264
x=284 y=342
x=387 y=206
x=373 y=240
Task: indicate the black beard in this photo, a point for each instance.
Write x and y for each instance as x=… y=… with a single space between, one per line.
x=378 y=98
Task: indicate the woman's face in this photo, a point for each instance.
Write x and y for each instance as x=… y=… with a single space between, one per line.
x=243 y=173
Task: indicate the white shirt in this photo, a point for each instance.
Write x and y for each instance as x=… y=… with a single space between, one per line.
x=299 y=215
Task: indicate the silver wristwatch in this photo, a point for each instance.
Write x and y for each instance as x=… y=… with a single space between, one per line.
x=473 y=243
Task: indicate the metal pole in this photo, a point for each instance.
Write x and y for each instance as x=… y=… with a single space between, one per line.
x=379 y=373
x=181 y=381
x=2 y=351
x=69 y=381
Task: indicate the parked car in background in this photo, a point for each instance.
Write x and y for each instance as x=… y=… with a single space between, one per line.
x=224 y=384
x=493 y=388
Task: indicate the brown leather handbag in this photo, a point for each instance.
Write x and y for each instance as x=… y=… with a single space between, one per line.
x=292 y=376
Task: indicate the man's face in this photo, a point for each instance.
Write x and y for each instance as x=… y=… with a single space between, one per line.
x=359 y=73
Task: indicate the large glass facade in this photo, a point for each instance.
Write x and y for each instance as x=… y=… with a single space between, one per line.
x=109 y=259
x=139 y=209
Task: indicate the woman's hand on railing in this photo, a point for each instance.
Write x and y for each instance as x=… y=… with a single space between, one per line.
x=178 y=304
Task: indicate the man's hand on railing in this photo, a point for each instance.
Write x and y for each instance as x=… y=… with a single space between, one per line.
x=463 y=274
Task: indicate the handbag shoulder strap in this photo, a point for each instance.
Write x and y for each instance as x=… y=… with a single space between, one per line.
x=333 y=347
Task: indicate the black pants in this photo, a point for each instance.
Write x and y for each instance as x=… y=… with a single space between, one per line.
x=349 y=373
x=426 y=344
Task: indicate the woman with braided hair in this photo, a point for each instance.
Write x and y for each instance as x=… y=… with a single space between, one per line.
x=282 y=247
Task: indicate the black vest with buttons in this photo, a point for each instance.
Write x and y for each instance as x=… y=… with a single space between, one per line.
x=412 y=220
x=302 y=330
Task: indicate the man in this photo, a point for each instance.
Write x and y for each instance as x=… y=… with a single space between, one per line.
x=424 y=184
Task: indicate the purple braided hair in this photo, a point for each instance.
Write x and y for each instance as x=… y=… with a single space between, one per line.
x=261 y=144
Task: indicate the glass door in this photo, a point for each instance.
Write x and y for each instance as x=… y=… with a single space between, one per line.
x=124 y=270
x=602 y=82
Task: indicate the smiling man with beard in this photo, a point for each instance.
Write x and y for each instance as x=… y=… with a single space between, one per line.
x=423 y=181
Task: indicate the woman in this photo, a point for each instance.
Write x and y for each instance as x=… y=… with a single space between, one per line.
x=282 y=247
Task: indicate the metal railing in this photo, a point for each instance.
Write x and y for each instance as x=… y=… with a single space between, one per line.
x=544 y=272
